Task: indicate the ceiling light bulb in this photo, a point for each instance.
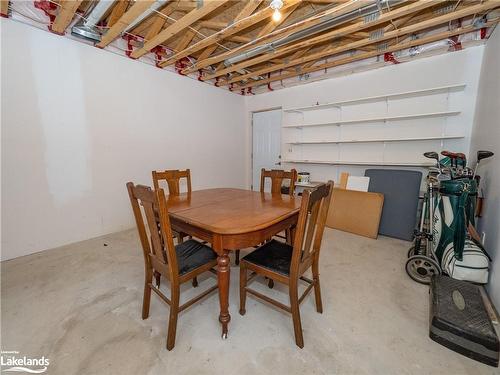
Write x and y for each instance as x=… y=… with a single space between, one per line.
x=276 y=15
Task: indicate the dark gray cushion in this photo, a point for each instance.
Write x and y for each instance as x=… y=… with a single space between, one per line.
x=401 y=189
x=192 y=254
x=273 y=255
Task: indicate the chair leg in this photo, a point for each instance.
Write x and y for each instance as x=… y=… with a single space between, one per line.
x=294 y=304
x=237 y=257
x=317 y=288
x=243 y=291
x=195 y=282
x=146 y=300
x=172 y=321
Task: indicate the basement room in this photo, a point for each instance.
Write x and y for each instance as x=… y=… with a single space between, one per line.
x=250 y=187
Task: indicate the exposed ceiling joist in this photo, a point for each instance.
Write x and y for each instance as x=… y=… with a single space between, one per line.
x=302 y=25
x=223 y=34
x=245 y=49
x=247 y=10
x=4 y=7
x=186 y=5
x=239 y=38
x=434 y=21
x=213 y=25
x=67 y=10
x=117 y=11
x=366 y=55
x=177 y=27
x=159 y=21
x=328 y=36
x=185 y=39
x=125 y=20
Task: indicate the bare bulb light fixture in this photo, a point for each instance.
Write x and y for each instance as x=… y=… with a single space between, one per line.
x=276 y=5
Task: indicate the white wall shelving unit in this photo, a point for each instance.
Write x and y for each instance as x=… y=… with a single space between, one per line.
x=390 y=130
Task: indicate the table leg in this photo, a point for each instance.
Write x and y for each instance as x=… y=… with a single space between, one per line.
x=290 y=235
x=223 y=272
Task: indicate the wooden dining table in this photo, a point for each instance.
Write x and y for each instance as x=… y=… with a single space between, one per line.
x=231 y=219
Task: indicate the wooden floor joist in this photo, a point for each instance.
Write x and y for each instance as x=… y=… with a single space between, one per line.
x=233 y=29
x=366 y=55
x=125 y=20
x=178 y=26
x=302 y=25
x=117 y=11
x=336 y=33
x=4 y=8
x=259 y=50
x=65 y=15
x=159 y=21
x=435 y=21
x=247 y=10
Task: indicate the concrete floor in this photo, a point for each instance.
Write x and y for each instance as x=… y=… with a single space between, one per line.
x=79 y=305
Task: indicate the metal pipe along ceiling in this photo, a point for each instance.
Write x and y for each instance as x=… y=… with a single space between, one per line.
x=86 y=28
x=154 y=7
x=322 y=26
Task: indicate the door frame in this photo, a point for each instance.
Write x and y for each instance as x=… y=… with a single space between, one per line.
x=251 y=113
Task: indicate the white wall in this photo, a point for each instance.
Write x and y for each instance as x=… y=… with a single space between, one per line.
x=461 y=67
x=78 y=123
x=486 y=136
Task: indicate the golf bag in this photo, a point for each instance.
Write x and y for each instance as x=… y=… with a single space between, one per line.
x=459 y=251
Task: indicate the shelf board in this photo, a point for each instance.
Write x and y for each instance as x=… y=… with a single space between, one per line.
x=379 y=119
x=457 y=87
x=361 y=163
x=378 y=140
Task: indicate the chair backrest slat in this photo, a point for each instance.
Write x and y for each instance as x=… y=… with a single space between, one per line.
x=153 y=218
x=172 y=178
x=277 y=176
x=311 y=224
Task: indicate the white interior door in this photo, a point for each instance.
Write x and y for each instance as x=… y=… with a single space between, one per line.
x=266 y=135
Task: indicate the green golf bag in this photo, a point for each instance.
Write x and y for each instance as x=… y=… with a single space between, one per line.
x=461 y=255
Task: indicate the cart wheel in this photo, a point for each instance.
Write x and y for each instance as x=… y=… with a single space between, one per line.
x=411 y=251
x=421 y=268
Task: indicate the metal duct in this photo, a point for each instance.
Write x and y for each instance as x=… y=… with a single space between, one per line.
x=155 y=7
x=86 y=27
x=372 y=9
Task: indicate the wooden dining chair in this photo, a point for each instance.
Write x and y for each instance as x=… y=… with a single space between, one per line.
x=277 y=176
x=287 y=264
x=172 y=178
x=177 y=263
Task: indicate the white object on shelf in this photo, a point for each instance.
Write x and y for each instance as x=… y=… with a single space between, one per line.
x=379 y=97
x=378 y=119
x=346 y=162
x=359 y=183
x=379 y=140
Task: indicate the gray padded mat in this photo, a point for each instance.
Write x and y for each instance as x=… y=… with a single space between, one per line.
x=400 y=189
